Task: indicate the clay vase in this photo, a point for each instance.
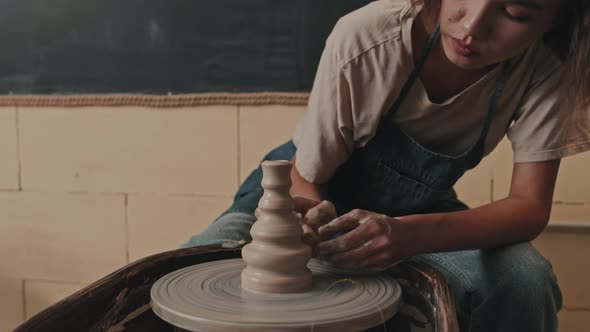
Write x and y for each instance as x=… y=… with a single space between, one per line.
x=276 y=258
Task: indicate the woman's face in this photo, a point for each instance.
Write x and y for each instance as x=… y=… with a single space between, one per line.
x=479 y=33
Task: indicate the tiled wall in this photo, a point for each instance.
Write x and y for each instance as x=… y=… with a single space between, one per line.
x=84 y=191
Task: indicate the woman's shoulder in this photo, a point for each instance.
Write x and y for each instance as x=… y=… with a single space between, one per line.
x=542 y=63
x=367 y=27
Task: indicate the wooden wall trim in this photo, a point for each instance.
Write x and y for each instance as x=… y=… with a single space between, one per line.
x=159 y=101
x=563 y=227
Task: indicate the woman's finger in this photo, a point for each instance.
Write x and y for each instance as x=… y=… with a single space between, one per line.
x=342 y=224
x=352 y=239
x=358 y=255
x=381 y=260
x=309 y=236
x=320 y=215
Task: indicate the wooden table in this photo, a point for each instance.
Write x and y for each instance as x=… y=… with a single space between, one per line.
x=120 y=301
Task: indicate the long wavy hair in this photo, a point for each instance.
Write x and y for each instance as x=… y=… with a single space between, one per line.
x=569 y=40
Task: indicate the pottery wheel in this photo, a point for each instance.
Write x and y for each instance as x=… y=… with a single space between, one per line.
x=209 y=297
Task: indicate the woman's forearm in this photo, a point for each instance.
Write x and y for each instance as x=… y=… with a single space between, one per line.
x=510 y=220
x=303 y=188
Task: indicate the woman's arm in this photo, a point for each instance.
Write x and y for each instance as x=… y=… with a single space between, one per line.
x=376 y=240
x=521 y=216
x=303 y=188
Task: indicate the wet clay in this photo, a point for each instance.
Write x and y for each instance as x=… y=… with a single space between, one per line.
x=276 y=258
x=276 y=286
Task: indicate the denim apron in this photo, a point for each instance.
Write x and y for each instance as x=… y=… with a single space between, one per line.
x=393 y=174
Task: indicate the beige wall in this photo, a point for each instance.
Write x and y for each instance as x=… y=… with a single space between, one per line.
x=84 y=191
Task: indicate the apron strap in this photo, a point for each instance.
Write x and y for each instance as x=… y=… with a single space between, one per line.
x=494 y=100
x=413 y=75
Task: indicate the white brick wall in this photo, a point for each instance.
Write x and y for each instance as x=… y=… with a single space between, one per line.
x=61 y=236
x=130 y=150
x=105 y=186
x=8 y=149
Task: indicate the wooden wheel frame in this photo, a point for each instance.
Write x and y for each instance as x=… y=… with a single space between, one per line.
x=121 y=300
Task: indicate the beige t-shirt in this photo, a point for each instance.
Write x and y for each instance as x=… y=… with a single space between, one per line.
x=368 y=58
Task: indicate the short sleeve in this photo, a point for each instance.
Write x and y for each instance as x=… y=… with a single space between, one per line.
x=355 y=79
x=324 y=135
x=546 y=126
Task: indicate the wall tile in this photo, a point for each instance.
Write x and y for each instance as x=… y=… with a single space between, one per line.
x=573 y=182
x=569 y=255
x=484 y=183
x=574 y=321
x=567 y=213
x=61 y=237
x=40 y=294
x=11 y=302
x=161 y=223
x=8 y=149
x=475 y=187
x=262 y=129
x=130 y=149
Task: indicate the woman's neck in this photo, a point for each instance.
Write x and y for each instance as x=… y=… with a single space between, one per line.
x=438 y=68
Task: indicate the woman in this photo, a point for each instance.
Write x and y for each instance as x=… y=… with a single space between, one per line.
x=410 y=95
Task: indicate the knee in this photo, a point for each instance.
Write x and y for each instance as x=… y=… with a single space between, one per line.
x=524 y=278
x=231 y=227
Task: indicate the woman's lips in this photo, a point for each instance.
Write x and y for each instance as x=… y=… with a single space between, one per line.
x=462 y=49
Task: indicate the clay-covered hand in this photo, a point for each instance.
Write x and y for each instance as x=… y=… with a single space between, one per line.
x=312 y=214
x=371 y=240
x=319 y=215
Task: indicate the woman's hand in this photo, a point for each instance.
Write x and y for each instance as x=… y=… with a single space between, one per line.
x=371 y=240
x=301 y=205
x=313 y=214
x=319 y=215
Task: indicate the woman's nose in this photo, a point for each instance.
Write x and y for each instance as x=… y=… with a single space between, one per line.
x=473 y=22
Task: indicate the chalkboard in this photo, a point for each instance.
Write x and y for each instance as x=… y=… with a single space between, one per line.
x=163 y=46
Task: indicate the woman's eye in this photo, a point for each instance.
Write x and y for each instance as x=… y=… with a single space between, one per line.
x=515 y=13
